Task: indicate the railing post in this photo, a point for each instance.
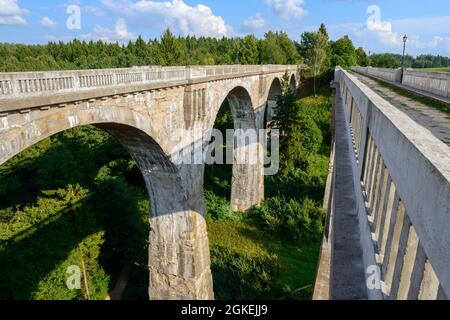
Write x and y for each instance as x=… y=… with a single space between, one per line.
x=13 y=86
x=448 y=86
x=76 y=81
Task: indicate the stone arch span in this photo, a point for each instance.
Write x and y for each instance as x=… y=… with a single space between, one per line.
x=272 y=97
x=179 y=262
x=247 y=185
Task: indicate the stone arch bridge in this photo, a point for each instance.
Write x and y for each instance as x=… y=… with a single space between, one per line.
x=143 y=108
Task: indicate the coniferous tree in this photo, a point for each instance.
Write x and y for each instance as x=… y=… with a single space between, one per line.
x=286 y=120
x=249 y=50
x=169 y=51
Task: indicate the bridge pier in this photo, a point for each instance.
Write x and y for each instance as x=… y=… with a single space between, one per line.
x=247 y=185
x=179 y=261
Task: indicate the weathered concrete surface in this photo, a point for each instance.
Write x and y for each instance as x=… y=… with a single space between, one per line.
x=434 y=120
x=402 y=168
x=322 y=281
x=347 y=277
x=154 y=113
x=434 y=85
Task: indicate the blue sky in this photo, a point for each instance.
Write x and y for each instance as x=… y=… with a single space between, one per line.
x=378 y=26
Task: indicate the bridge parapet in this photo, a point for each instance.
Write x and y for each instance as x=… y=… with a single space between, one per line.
x=25 y=84
x=435 y=83
x=401 y=180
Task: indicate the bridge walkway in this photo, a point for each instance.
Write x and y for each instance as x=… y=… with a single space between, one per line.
x=434 y=120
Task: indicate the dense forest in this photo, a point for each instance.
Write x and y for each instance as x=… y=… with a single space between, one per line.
x=77 y=198
x=169 y=50
x=388 y=60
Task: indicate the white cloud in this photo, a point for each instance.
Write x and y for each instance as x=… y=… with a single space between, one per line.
x=176 y=14
x=93 y=10
x=11 y=13
x=386 y=36
x=119 y=34
x=383 y=30
x=47 y=22
x=254 y=24
x=287 y=9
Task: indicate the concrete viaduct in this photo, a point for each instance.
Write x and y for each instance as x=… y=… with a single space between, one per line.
x=388 y=192
x=143 y=108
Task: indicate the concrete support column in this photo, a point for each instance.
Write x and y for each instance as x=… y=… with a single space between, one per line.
x=271 y=106
x=247 y=185
x=179 y=261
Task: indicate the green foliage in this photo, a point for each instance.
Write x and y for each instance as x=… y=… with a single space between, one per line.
x=240 y=276
x=218 y=207
x=248 y=53
x=276 y=48
x=315 y=48
x=387 y=61
x=291 y=219
x=286 y=120
x=302 y=126
x=343 y=53
x=69 y=200
x=361 y=58
x=288 y=225
x=431 y=61
x=169 y=51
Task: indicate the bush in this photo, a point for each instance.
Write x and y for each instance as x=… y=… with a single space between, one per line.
x=291 y=219
x=219 y=207
x=239 y=276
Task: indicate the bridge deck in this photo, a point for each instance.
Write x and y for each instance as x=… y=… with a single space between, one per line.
x=434 y=120
x=347 y=278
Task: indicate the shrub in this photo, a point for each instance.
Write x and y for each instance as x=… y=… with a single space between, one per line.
x=239 y=276
x=294 y=220
x=219 y=207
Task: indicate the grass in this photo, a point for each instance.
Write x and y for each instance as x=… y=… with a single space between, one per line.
x=297 y=263
x=426 y=101
x=243 y=234
x=434 y=69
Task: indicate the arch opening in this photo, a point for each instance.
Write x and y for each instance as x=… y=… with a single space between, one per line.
x=293 y=84
x=274 y=93
x=81 y=196
x=240 y=164
x=178 y=249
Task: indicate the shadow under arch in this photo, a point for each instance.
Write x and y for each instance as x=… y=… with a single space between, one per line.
x=293 y=83
x=274 y=92
x=179 y=261
x=247 y=181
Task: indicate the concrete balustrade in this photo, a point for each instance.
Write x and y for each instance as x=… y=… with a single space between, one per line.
x=436 y=83
x=35 y=83
x=401 y=190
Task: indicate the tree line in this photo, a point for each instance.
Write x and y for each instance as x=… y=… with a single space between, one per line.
x=169 y=50
x=389 y=60
x=273 y=48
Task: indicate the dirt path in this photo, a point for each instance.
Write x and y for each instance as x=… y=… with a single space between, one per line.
x=434 y=120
